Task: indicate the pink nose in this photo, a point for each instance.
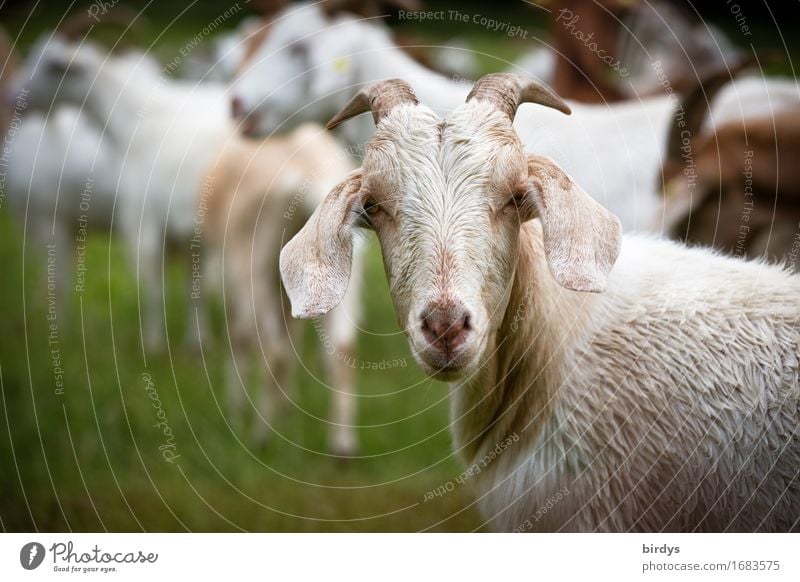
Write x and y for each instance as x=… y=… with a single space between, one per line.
x=446 y=327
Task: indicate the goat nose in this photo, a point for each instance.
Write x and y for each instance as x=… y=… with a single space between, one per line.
x=446 y=328
x=237 y=107
x=248 y=121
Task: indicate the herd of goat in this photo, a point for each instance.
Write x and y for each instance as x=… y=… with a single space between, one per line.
x=523 y=237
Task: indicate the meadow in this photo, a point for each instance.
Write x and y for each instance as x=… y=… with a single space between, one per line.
x=81 y=449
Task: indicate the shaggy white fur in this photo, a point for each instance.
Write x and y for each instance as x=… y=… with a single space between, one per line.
x=668 y=403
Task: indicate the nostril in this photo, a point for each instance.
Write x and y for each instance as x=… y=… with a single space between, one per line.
x=466 y=322
x=430 y=326
x=425 y=325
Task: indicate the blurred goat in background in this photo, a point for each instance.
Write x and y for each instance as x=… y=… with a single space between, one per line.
x=735 y=187
x=310 y=64
x=109 y=139
x=605 y=50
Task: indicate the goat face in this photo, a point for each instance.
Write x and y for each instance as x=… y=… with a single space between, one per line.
x=446 y=199
x=274 y=85
x=440 y=196
x=299 y=70
x=58 y=71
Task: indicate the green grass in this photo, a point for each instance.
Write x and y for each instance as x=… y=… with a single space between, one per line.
x=89 y=459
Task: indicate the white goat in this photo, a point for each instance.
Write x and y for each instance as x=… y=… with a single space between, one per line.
x=172 y=134
x=309 y=64
x=62 y=170
x=256 y=196
x=620 y=383
x=217 y=60
x=59 y=185
x=168 y=133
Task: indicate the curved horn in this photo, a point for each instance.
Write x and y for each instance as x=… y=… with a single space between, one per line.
x=380 y=98
x=508 y=91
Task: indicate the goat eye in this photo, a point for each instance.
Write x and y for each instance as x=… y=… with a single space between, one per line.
x=57 y=68
x=516 y=200
x=298 y=49
x=371 y=207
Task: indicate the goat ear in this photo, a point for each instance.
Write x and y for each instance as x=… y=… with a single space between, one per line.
x=581 y=238
x=315 y=264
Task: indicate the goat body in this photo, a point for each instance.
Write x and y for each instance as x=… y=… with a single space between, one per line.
x=598 y=382
x=257 y=195
x=637 y=403
x=745 y=195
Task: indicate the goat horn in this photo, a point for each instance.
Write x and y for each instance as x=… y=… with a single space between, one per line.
x=508 y=91
x=380 y=98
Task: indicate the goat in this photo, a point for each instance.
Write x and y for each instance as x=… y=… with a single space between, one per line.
x=658 y=385
x=173 y=134
x=155 y=122
x=309 y=63
x=579 y=73
x=736 y=188
x=62 y=171
x=587 y=35
x=683 y=46
x=255 y=193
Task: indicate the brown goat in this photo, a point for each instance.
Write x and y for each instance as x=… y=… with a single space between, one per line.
x=579 y=73
x=741 y=192
x=600 y=48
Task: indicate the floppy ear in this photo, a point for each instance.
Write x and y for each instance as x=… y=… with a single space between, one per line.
x=581 y=238
x=315 y=264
